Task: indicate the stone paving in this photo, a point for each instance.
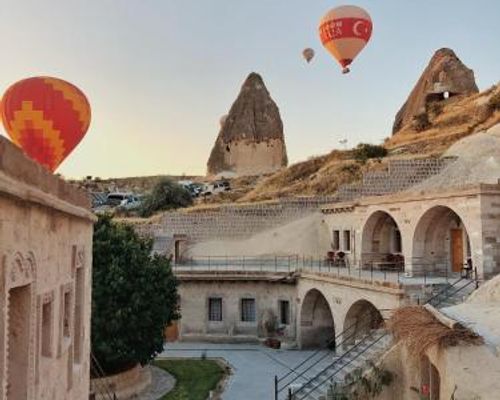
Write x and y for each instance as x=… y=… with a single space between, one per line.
x=161 y=383
x=253 y=366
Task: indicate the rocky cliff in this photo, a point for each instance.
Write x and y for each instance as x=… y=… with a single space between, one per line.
x=251 y=140
x=445 y=76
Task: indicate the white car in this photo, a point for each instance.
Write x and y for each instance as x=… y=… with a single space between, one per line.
x=214 y=188
x=127 y=201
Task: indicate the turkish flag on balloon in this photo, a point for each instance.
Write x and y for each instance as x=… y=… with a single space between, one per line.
x=46 y=117
x=344 y=32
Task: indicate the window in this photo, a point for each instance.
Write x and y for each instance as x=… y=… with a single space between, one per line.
x=336 y=240
x=66 y=314
x=347 y=240
x=215 y=309
x=284 y=306
x=248 y=310
x=47 y=329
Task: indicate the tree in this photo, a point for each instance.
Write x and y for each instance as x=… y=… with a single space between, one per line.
x=134 y=297
x=165 y=195
x=364 y=151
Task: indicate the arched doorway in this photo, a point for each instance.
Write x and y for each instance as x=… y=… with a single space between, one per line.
x=361 y=318
x=440 y=243
x=381 y=242
x=317 y=328
x=430 y=381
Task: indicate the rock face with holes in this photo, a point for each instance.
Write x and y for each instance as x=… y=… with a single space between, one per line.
x=444 y=76
x=251 y=140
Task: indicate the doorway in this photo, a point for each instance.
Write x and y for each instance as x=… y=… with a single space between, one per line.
x=18 y=343
x=457 y=250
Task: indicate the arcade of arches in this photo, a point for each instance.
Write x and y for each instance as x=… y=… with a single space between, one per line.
x=435 y=239
x=317 y=325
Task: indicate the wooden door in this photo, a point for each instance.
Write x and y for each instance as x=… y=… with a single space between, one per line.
x=457 y=250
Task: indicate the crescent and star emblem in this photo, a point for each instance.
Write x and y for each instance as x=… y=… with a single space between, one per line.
x=358 y=25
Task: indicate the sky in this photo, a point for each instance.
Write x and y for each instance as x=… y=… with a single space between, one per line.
x=159 y=74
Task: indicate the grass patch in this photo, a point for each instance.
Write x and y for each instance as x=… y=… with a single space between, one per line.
x=195 y=378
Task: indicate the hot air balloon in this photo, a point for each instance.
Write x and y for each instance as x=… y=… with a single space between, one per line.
x=46 y=117
x=308 y=54
x=344 y=31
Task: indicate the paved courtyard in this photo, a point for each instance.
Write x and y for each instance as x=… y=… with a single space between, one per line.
x=254 y=366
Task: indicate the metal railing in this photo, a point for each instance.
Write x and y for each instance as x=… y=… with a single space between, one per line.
x=101 y=389
x=344 y=357
x=421 y=272
x=279 y=382
x=435 y=300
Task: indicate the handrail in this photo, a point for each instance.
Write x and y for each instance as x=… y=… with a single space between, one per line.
x=468 y=283
x=447 y=294
x=342 y=367
x=345 y=339
x=330 y=341
x=105 y=391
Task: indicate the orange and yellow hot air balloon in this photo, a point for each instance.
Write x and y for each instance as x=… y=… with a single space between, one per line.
x=344 y=31
x=46 y=117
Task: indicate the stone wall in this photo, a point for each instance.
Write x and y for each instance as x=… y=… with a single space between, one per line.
x=194 y=295
x=231 y=221
x=398 y=176
x=268 y=288
x=45 y=282
x=461 y=371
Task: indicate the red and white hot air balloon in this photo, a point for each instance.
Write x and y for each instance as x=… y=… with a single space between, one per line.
x=344 y=31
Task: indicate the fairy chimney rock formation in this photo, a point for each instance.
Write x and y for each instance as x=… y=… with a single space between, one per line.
x=250 y=140
x=445 y=76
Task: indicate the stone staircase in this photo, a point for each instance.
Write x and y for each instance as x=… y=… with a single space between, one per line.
x=316 y=383
x=367 y=347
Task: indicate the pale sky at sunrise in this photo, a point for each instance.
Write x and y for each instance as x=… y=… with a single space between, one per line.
x=160 y=73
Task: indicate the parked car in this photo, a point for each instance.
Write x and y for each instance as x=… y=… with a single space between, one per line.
x=194 y=189
x=127 y=201
x=214 y=188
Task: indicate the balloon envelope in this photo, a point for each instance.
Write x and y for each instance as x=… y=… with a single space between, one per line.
x=46 y=117
x=308 y=54
x=344 y=31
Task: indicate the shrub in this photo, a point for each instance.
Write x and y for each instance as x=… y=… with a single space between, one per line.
x=435 y=108
x=421 y=122
x=364 y=151
x=494 y=102
x=134 y=297
x=165 y=195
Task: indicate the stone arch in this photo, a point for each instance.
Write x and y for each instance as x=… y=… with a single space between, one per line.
x=381 y=241
x=430 y=380
x=361 y=318
x=440 y=242
x=317 y=327
x=19 y=270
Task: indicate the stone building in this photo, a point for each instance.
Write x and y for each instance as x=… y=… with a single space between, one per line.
x=421 y=232
x=45 y=282
x=251 y=140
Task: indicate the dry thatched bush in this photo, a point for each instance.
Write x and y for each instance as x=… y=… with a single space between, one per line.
x=420 y=330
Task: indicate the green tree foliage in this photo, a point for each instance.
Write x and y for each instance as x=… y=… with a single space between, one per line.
x=165 y=195
x=134 y=297
x=364 y=151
